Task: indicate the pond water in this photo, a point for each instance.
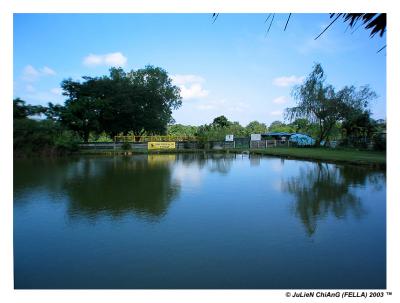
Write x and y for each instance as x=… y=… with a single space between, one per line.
x=198 y=221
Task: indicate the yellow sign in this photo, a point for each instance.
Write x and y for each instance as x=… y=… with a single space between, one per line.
x=161 y=145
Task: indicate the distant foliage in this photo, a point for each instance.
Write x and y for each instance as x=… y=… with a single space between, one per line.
x=279 y=126
x=181 y=130
x=102 y=137
x=218 y=129
x=43 y=137
x=39 y=137
x=255 y=127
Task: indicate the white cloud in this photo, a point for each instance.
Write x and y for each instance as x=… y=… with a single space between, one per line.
x=31 y=74
x=280 y=100
x=194 y=91
x=276 y=113
x=56 y=91
x=287 y=80
x=191 y=86
x=47 y=71
x=93 y=60
x=116 y=59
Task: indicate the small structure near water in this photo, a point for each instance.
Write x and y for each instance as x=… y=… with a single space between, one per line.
x=296 y=138
x=254 y=141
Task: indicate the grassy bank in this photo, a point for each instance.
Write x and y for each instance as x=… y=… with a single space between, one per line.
x=329 y=155
x=321 y=154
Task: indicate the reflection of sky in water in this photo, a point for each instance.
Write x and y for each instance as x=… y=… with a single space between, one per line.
x=325 y=188
x=188 y=174
x=277 y=165
x=207 y=217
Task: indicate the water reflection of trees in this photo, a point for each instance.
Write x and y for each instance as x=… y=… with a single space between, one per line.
x=33 y=174
x=94 y=186
x=221 y=163
x=197 y=159
x=215 y=163
x=360 y=176
x=321 y=189
x=140 y=185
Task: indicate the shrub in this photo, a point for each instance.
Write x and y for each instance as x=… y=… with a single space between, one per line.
x=42 y=137
x=126 y=146
x=66 y=142
x=379 y=143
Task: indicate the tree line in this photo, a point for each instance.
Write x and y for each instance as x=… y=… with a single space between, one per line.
x=39 y=136
x=221 y=126
x=141 y=102
x=321 y=112
x=137 y=101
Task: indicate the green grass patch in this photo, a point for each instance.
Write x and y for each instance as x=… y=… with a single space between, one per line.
x=323 y=154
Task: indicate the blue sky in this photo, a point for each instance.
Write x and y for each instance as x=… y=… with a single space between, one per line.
x=229 y=67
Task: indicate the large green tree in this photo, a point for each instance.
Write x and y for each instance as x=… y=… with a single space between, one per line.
x=357 y=122
x=138 y=101
x=157 y=98
x=319 y=103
